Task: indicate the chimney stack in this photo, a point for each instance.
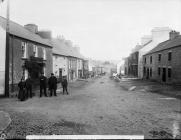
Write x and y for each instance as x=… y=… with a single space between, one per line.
x=32 y=28
x=173 y=34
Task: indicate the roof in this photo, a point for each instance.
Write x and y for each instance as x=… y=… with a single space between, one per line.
x=61 y=48
x=19 y=31
x=166 y=45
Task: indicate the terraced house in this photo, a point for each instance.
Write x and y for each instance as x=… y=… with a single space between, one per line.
x=29 y=53
x=67 y=60
x=163 y=62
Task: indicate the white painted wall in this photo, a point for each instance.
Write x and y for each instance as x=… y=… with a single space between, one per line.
x=158 y=35
x=60 y=62
x=2 y=60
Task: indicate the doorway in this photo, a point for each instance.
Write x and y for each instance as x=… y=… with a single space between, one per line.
x=147 y=73
x=164 y=75
x=60 y=74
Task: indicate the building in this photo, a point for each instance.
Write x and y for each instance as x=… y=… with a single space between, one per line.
x=158 y=35
x=163 y=62
x=29 y=53
x=67 y=60
x=85 y=68
x=60 y=59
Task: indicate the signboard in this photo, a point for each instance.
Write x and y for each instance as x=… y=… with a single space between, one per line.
x=2 y=60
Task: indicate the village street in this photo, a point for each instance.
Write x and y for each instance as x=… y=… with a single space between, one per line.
x=99 y=106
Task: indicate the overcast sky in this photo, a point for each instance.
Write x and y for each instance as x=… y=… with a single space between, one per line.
x=103 y=29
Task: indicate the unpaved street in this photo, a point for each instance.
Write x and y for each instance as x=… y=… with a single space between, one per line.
x=100 y=106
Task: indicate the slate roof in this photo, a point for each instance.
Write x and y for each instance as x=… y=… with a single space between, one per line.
x=166 y=45
x=61 y=48
x=19 y=31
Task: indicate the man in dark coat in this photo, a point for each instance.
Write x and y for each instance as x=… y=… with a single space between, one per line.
x=22 y=90
x=43 y=84
x=52 y=82
x=64 y=85
x=29 y=84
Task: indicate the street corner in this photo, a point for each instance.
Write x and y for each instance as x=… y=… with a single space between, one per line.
x=5 y=120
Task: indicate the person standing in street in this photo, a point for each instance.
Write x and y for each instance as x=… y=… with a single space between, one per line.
x=29 y=84
x=52 y=83
x=43 y=85
x=64 y=85
x=22 y=90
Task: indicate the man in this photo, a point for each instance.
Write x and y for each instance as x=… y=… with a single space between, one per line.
x=52 y=82
x=43 y=84
x=29 y=86
x=64 y=85
x=22 y=93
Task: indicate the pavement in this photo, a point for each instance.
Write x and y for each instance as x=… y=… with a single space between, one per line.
x=101 y=106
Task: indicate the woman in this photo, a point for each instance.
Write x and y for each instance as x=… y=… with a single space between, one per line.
x=22 y=90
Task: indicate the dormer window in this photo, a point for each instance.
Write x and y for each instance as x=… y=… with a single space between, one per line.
x=35 y=51
x=24 y=49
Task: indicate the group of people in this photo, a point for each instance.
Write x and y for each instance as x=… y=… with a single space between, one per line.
x=26 y=86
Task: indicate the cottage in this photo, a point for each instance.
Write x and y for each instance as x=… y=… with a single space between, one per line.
x=163 y=62
x=29 y=53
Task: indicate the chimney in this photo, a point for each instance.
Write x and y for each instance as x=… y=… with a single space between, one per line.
x=45 y=34
x=32 y=28
x=160 y=34
x=173 y=34
x=145 y=39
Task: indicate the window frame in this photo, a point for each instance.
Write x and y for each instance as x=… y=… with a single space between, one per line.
x=169 y=56
x=159 y=57
x=24 y=49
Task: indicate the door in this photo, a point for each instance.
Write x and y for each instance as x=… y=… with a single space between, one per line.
x=148 y=73
x=60 y=74
x=164 y=75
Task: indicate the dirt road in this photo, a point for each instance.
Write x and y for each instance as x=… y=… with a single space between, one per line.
x=98 y=107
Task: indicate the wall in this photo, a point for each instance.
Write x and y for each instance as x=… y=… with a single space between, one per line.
x=60 y=62
x=158 y=35
x=174 y=64
x=16 y=60
x=2 y=60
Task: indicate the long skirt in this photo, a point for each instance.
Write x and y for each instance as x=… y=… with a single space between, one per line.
x=22 y=95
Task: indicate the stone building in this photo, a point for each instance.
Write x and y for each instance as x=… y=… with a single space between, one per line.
x=158 y=35
x=163 y=62
x=29 y=53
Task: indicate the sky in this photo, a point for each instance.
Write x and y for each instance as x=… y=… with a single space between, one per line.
x=103 y=29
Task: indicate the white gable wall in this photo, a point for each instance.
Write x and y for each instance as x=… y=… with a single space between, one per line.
x=60 y=62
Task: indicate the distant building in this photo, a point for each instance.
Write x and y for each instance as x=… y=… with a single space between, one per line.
x=29 y=53
x=67 y=60
x=158 y=35
x=163 y=62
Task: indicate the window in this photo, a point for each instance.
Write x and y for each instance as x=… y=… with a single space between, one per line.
x=35 y=51
x=24 y=49
x=44 y=53
x=145 y=60
x=159 y=57
x=150 y=59
x=169 y=56
x=169 y=72
x=150 y=72
x=159 y=71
